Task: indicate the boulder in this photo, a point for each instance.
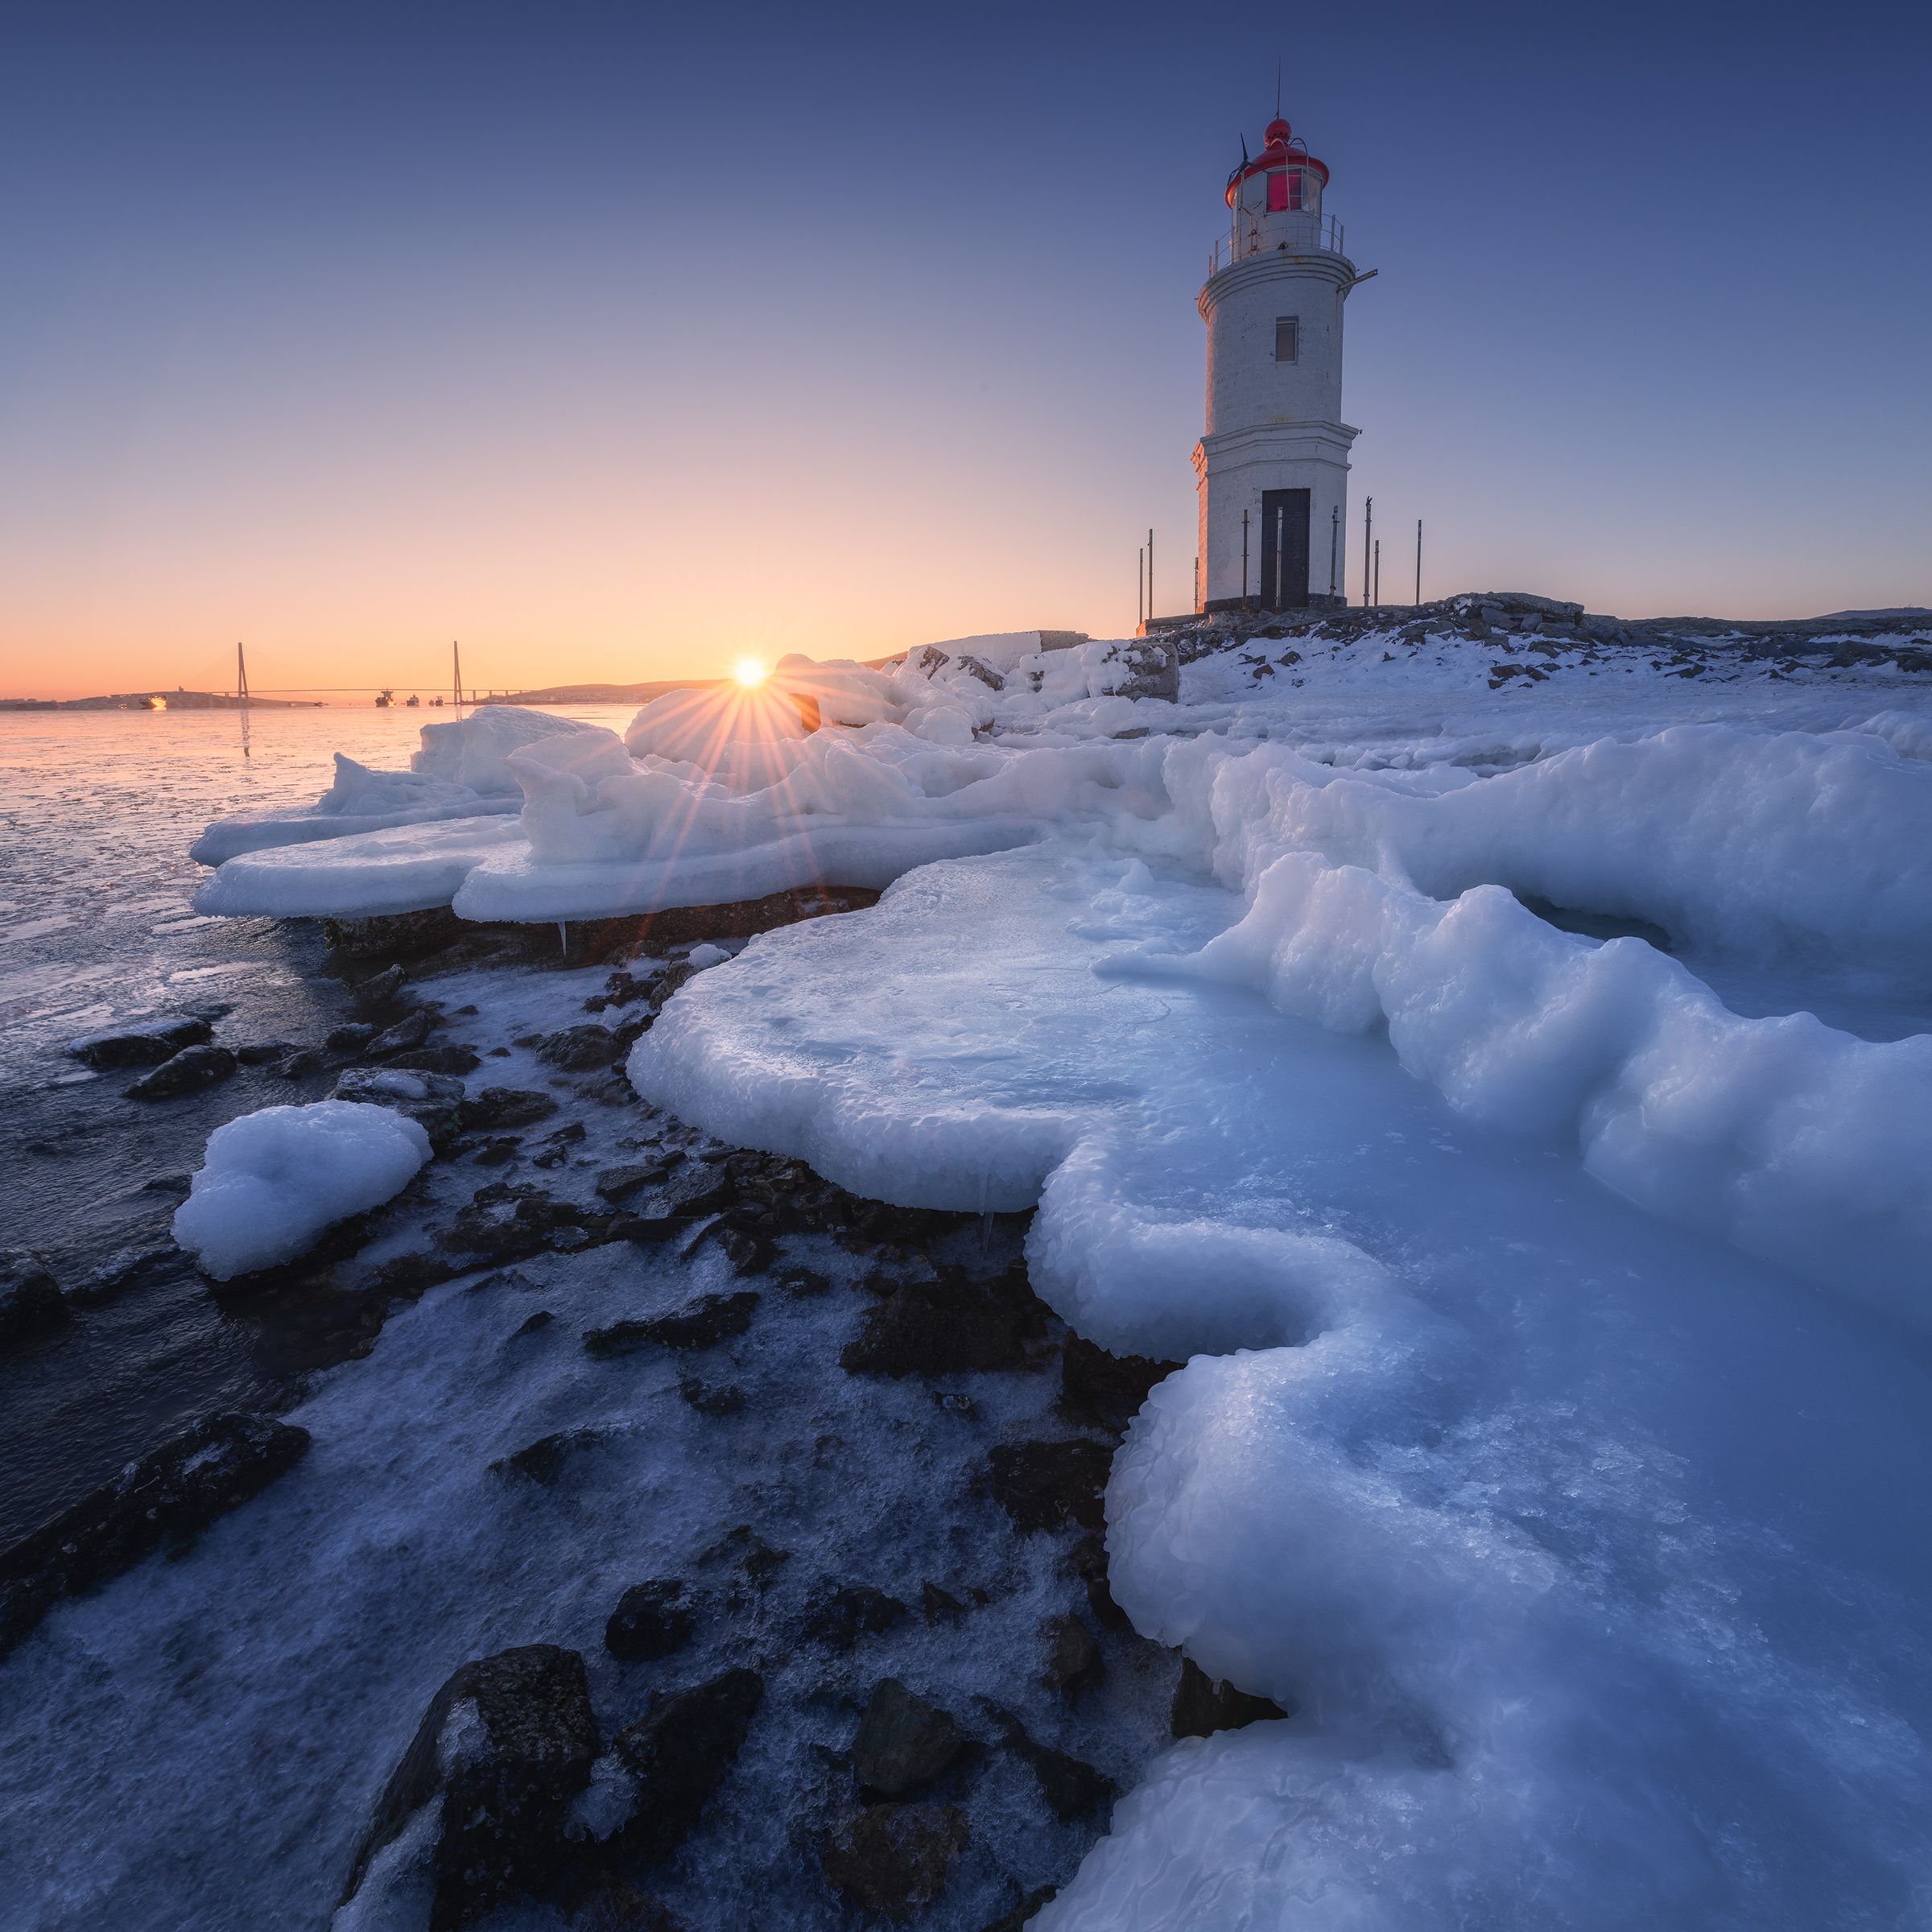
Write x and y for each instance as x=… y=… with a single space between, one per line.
x=380 y=992
x=433 y=1100
x=507 y=1744
x=411 y=1031
x=141 y=1042
x=651 y=1620
x=188 y=1072
x=903 y=1741
x=31 y=1304
x=542 y=1461
x=678 y=1754
x=578 y=1049
x=164 y=1501
x=894 y=1859
x=1143 y=667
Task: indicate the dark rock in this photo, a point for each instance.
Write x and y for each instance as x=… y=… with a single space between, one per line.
x=509 y=1221
x=1102 y=1391
x=648 y=1230
x=1087 y=1560
x=379 y=994
x=300 y=1064
x=840 y=1617
x=946 y=1327
x=1041 y=1484
x=953 y=1401
x=129 y=1268
x=679 y=1753
x=497 y=1152
x=192 y=1069
x=710 y=1319
x=351 y=1038
x=261 y=1052
x=1203 y=1705
x=176 y=1186
x=531 y=1325
x=651 y=1620
x=542 y=1461
x=433 y=1100
x=31 y=1304
x=164 y=1501
x=695 y=1189
x=939 y=1606
x=711 y=1398
x=616 y=1183
x=412 y=1029
x=894 y=1859
x=578 y=1049
x=451 y=1060
x=404 y=1277
x=141 y=1042
x=1073 y=1656
x=801 y=1282
x=518 y=1737
x=1071 y=1787
x=506 y=1106
x=903 y=1741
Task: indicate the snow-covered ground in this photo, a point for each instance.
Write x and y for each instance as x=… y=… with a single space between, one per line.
x=1499 y=1071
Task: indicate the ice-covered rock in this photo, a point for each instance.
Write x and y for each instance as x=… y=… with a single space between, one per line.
x=272 y=1181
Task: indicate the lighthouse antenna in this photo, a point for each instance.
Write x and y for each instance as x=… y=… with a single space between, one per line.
x=1278 y=87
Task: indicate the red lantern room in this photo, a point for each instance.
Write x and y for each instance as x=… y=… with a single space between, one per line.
x=1276 y=198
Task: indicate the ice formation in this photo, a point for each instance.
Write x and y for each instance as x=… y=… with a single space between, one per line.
x=272 y=1181
x=460 y=772
x=1548 y=1301
x=1523 y=1496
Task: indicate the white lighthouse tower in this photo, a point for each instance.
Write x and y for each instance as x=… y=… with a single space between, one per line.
x=1273 y=464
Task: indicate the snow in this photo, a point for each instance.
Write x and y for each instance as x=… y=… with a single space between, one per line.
x=1591 y=1602
x=272 y=1181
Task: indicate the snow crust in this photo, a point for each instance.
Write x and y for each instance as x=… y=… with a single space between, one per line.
x=1592 y=1610
x=272 y=1181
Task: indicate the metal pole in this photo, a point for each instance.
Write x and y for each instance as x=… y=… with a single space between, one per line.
x=1139 y=588
x=1335 y=544
x=1281 y=520
x=1150 y=577
x=1244 y=560
x=1418 y=561
x=1367 y=525
x=1378 y=573
x=455 y=658
x=1197 y=584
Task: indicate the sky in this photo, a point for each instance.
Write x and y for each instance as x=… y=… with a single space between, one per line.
x=619 y=343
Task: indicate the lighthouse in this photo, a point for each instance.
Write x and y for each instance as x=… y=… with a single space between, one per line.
x=1272 y=470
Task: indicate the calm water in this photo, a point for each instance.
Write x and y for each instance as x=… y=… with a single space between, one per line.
x=97 y=811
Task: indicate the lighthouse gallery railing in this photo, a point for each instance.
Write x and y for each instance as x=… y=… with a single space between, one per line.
x=1263 y=235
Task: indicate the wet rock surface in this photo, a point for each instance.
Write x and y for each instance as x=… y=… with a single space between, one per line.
x=904 y=1742
x=31 y=1304
x=1203 y=1705
x=163 y=1502
x=187 y=1071
x=651 y=1620
x=892 y=1859
x=506 y=1744
x=143 y=1043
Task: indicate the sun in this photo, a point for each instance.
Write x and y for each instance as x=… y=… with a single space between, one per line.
x=749 y=671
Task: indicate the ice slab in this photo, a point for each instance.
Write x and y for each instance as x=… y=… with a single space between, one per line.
x=404 y=869
x=1573 y=1533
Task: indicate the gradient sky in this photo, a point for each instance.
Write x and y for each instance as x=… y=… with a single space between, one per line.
x=617 y=343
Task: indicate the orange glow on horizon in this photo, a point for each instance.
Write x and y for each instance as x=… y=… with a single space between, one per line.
x=749 y=671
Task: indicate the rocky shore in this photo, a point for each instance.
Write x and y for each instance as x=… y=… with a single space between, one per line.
x=883 y=1680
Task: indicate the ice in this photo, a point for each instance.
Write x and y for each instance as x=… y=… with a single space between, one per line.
x=459 y=773
x=404 y=869
x=1569 y=1531
x=272 y=1181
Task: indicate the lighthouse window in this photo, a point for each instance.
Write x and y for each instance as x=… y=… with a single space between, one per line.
x=1284 y=190
x=1287 y=338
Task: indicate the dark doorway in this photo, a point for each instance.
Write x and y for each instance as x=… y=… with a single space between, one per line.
x=1284 y=549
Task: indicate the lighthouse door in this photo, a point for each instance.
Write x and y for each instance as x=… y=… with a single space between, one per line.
x=1284 y=549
